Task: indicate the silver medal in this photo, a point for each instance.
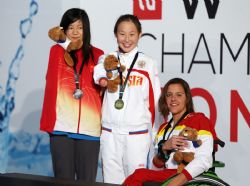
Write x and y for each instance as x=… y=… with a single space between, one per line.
x=78 y=93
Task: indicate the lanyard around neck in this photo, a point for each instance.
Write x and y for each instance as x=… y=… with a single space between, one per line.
x=123 y=85
x=169 y=125
x=76 y=74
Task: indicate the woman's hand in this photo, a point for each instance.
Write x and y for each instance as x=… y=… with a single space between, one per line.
x=175 y=142
x=103 y=82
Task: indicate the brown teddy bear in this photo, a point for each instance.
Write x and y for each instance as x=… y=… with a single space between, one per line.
x=186 y=156
x=113 y=69
x=57 y=34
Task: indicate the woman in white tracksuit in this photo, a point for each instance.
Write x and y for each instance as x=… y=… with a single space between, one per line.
x=127 y=127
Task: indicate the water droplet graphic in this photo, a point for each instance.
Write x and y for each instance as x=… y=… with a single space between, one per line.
x=7 y=99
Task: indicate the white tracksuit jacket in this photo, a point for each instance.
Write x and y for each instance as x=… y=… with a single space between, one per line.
x=135 y=115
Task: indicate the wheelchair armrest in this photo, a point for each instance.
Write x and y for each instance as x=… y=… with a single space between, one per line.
x=217 y=163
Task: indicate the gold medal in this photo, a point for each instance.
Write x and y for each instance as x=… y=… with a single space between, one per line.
x=119 y=104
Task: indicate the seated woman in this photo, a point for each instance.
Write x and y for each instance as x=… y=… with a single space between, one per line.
x=176 y=100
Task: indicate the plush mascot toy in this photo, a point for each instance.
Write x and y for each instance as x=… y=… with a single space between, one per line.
x=187 y=155
x=113 y=69
x=57 y=34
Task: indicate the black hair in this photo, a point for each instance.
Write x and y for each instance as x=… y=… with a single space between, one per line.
x=72 y=15
x=128 y=17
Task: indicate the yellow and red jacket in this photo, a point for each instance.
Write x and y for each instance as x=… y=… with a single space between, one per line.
x=61 y=112
x=203 y=155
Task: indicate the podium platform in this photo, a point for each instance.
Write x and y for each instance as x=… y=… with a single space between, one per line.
x=17 y=179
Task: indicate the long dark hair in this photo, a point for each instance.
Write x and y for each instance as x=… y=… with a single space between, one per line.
x=72 y=15
x=163 y=108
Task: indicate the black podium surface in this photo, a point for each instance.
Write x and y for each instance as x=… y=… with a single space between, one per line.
x=17 y=179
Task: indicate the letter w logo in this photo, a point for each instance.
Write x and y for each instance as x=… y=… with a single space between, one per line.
x=149 y=6
x=211 y=7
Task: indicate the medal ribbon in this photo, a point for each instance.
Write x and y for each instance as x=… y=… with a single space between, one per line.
x=169 y=125
x=76 y=75
x=166 y=156
x=123 y=86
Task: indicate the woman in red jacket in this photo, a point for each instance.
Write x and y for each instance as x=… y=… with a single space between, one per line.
x=72 y=103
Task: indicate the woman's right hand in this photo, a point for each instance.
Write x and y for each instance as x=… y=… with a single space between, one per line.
x=103 y=82
x=175 y=142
